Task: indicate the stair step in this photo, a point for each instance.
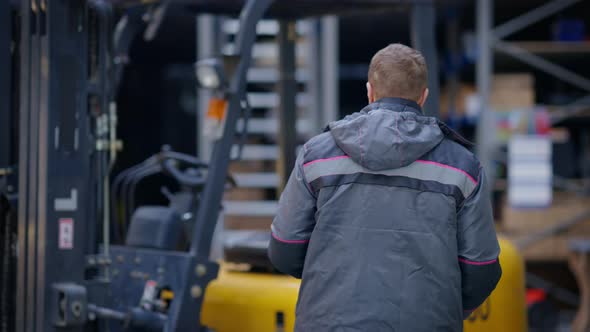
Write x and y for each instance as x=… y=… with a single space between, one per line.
x=258 y=152
x=267 y=50
x=254 y=239
x=270 y=126
x=250 y=208
x=257 y=180
x=271 y=99
x=264 y=27
x=264 y=73
x=271 y=75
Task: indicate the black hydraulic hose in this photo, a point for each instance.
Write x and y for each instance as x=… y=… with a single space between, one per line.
x=115 y=213
x=183 y=178
x=128 y=182
x=191 y=160
x=165 y=162
x=115 y=191
x=124 y=185
x=115 y=209
x=133 y=184
x=127 y=211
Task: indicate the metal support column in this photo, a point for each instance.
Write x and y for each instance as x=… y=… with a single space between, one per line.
x=5 y=80
x=485 y=127
x=423 y=22
x=287 y=88
x=330 y=66
x=454 y=54
x=314 y=76
x=207 y=47
x=25 y=269
x=208 y=37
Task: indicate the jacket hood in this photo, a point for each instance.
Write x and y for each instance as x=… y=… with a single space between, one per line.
x=389 y=133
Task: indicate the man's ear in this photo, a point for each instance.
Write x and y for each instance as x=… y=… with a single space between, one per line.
x=423 y=98
x=370 y=95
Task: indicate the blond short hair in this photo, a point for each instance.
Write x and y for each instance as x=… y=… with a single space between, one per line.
x=398 y=71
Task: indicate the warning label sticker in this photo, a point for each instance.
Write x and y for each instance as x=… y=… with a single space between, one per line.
x=66 y=233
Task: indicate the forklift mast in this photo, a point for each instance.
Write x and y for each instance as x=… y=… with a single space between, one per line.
x=56 y=218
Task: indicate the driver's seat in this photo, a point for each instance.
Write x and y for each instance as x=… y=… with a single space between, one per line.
x=248 y=247
x=155 y=227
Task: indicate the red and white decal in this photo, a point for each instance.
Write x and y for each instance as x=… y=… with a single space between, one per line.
x=66 y=233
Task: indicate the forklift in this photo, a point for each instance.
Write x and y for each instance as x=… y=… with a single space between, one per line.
x=70 y=277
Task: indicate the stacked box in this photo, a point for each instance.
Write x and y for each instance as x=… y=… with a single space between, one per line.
x=530 y=171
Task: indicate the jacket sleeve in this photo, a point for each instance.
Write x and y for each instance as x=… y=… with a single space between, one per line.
x=293 y=224
x=478 y=247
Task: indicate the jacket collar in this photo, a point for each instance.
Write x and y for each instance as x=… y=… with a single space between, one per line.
x=406 y=105
x=395 y=105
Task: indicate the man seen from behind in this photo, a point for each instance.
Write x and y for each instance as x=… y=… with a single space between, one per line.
x=387 y=217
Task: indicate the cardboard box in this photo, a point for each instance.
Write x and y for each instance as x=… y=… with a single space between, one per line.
x=511 y=91
x=513 y=81
x=463 y=92
x=505 y=100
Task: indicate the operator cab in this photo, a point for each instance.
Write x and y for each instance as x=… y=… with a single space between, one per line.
x=169 y=227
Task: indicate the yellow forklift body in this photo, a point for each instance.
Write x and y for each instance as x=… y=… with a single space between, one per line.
x=250 y=302
x=505 y=310
x=260 y=302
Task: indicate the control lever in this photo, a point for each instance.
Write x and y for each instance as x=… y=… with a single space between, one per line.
x=167 y=193
x=136 y=318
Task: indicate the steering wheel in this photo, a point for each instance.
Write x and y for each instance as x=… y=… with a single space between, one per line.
x=171 y=164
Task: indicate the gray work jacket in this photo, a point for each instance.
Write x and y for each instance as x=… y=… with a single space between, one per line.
x=387 y=219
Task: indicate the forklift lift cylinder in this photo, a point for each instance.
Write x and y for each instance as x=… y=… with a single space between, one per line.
x=262 y=302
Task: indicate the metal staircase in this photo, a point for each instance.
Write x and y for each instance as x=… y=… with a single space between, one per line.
x=253 y=203
x=258 y=184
